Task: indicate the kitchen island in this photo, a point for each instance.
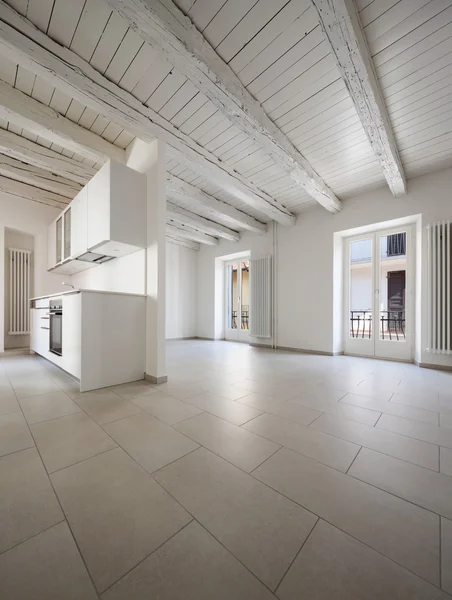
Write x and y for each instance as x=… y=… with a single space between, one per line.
x=97 y=337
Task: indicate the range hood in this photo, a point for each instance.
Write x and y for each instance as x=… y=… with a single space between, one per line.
x=94 y=257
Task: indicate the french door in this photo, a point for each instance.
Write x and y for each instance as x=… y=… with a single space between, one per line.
x=237 y=300
x=379 y=306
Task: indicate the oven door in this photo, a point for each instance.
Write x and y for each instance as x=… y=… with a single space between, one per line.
x=56 y=333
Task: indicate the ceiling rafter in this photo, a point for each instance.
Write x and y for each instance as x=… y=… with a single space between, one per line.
x=190 y=234
x=29 y=192
x=178 y=241
x=340 y=23
x=44 y=158
x=185 y=217
x=183 y=191
x=163 y=25
x=35 y=117
x=22 y=42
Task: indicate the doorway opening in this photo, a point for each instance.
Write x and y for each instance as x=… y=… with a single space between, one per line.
x=237 y=301
x=378 y=294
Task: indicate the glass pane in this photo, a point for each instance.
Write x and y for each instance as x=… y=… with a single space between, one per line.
x=361 y=289
x=232 y=296
x=59 y=239
x=245 y=296
x=392 y=278
x=67 y=233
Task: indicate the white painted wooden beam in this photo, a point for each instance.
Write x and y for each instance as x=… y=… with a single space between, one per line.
x=182 y=242
x=39 y=156
x=185 y=217
x=29 y=114
x=29 y=192
x=183 y=191
x=15 y=169
x=163 y=25
x=190 y=233
x=340 y=23
x=22 y=42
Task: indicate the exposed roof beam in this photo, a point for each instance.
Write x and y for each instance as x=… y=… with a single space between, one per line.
x=181 y=242
x=15 y=169
x=26 y=112
x=39 y=156
x=66 y=71
x=162 y=24
x=181 y=190
x=29 y=192
x=190 y=234
x=340 y=23
x=185 y=217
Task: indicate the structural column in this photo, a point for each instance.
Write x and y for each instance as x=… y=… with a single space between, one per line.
x=149 y=158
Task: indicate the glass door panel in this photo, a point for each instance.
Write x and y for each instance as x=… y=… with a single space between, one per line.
x=237 y=300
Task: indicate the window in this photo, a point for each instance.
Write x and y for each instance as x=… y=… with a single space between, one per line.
x=396 y=244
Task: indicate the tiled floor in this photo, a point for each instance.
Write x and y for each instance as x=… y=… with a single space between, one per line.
x=250 y=475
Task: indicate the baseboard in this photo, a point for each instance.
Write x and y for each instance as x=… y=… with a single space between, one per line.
x=267 y=346
x=178 y=339
x=305 y=351
x=408 y=361
x=432 y=366
x=156 y=380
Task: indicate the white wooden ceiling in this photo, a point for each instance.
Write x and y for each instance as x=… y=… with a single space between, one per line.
x=280 y=54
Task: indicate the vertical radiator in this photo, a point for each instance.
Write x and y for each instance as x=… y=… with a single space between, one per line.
x=260 y=297
x=439 y=287
x=19 y=291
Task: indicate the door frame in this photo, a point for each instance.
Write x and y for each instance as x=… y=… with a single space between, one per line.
x=238 y=334
x=376 y=347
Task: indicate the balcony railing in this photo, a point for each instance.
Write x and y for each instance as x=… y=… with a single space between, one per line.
x=245 y=317
x=392 y=324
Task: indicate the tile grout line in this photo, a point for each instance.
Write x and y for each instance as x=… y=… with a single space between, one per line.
x=31 y=537
x=440 y=555
x=351 y=464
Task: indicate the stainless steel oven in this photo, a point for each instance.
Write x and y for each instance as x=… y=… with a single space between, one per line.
x=56 y=326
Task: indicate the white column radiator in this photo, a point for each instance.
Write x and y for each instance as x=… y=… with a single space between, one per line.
x=19 y=291
x=260 y=297
x=439 y=287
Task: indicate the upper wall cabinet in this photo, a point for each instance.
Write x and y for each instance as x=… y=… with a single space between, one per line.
x=79 y=223
x=116 y=210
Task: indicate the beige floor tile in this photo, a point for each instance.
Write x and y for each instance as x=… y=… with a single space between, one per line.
x=34 y=386
x=445 y=420
x=231 y=411
x=14 y=434
x=445 y=461
x=260 y=527
x=228 y=391
x=392 y=408
x=190 y=566
x=262 y=403
x=106 y=407
x=181 y=391
x=401 y=531
x=149 y=441
x=420 y=431
x=28 y=504
x=371 y=390
x=417 y=400
x=240 y=447
x=333 y=407
x=333 y=565
x=8 y=404
x=68 y=440
x=117 y=513
x=47 y=406
x=134 y=389
x=166 y=408
x=296 y=413
x=47 y=566
x=414 y=451
x=423 y=487
x=329 y=450
x=446 y=555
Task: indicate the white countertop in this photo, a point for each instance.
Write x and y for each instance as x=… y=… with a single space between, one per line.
x=78 y=291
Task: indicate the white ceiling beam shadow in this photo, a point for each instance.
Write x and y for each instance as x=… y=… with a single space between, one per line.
x=182 y=242
x=340 y=23
x=185 y=217
x=163 y=25
x=23 y=43
x=29 y=114
x=44 y=158
x=190 y=234
x=29 y=192
x=183 y=191
x=15 y=169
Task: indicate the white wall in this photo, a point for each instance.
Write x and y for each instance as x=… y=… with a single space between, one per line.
x=305 y=265
x=181 y=291
x=31 y=218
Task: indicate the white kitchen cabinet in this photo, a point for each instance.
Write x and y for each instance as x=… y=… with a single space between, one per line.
x=79 y=223
x=51 y=246
x=116 y=210
x=40 y=324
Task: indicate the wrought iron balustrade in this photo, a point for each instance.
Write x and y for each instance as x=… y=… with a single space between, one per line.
x=392 y=324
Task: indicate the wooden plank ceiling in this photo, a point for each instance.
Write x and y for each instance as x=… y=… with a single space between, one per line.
x=282 y=57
